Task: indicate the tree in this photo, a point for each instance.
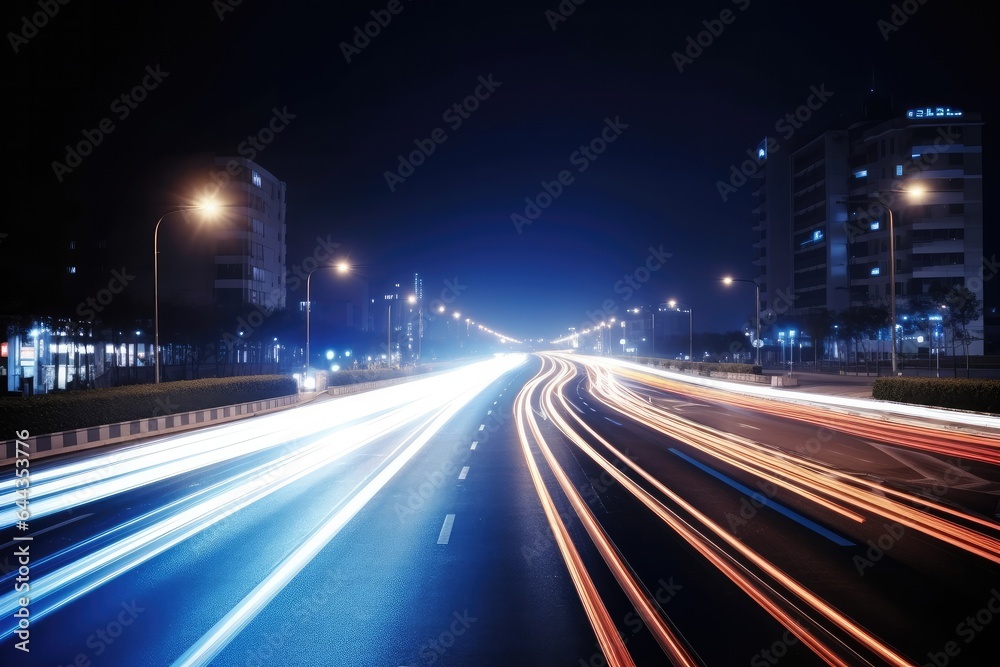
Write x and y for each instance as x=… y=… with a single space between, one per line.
x=818 y=324
x=962 y=307
x=861 y=324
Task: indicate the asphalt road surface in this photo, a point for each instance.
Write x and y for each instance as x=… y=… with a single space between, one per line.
x=549 y=510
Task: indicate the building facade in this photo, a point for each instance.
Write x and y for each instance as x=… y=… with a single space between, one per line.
x=840 y=190
x=250 y=241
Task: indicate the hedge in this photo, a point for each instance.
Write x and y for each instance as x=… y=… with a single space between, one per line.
x=65 y=411
x=359 y=375
x=702 y=367
x=958 y=393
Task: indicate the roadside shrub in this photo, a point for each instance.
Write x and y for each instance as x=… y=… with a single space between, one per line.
x=957 y=393
x=51 y=413
x=702 y=367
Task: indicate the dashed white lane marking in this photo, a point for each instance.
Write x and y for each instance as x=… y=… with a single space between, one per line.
x=747 y=426
x=464 y=473
x=445 y=535
x=482 y=427
x=474 y=443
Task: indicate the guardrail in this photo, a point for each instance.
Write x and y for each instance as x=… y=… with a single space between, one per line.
x=51 y=444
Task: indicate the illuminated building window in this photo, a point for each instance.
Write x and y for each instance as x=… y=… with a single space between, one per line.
x=255 y=177
x=863 y=173
x=876 y=271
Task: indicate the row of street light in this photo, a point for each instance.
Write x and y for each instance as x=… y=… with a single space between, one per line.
x=681 y=308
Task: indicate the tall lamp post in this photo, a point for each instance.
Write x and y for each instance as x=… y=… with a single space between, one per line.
x=209 y=208
x=673 y=304
x=341 y=268
x=914 y=191
x=729 y=281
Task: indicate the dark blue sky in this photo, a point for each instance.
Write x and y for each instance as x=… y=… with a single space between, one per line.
x=653 y=187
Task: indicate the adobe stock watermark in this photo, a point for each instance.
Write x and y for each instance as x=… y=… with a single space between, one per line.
x=894 y=532
x=308 y=610
x=448 y=295
x=223 y=7
x=432 y=649
x=695 y=46
x=295 y=276
x=665 y=592
x=454 y=116
x=861 y=223
x=581 y=158
x=628 y=285
x=89 y=308
x=967 y=629
x=104 y=637
x=249 y=149
x=563 y=11
x=899 y=14
x=750 y=506
x=786 y=127
x=418 y=496
x=30 y=25
x=775 y=652
x=122 y=107
x=590 y=491
x=381 y=18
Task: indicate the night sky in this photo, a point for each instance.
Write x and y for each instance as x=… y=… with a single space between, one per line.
x=229 y=67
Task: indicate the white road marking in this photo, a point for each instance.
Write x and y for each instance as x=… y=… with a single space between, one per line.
x=445 y=535
x=474 y=443
x=747 y=426
x=464 y=473
x=482 y=427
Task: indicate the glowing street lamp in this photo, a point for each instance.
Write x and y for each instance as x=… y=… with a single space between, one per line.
x=340 y=268
x=729 y=281
x=209 y=209
x=917 y=191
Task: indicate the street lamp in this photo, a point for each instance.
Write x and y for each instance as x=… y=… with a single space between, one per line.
x=915 y=190
x=210 y=209
x=341 y=267
x=729 y=281
x=673 y=304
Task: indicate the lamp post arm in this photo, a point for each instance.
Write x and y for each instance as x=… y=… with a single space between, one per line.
x=156 y=287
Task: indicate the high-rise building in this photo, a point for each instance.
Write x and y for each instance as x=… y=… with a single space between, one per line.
x=818 y=234
x=821 y=220
x=236 y=257
x=772 y=229
x=926 y=168
x=250 y=243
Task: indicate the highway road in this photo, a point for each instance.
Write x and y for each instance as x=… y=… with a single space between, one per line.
x=549 y=510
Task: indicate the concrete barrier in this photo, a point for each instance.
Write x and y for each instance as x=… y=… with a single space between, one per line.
x=50 y=444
